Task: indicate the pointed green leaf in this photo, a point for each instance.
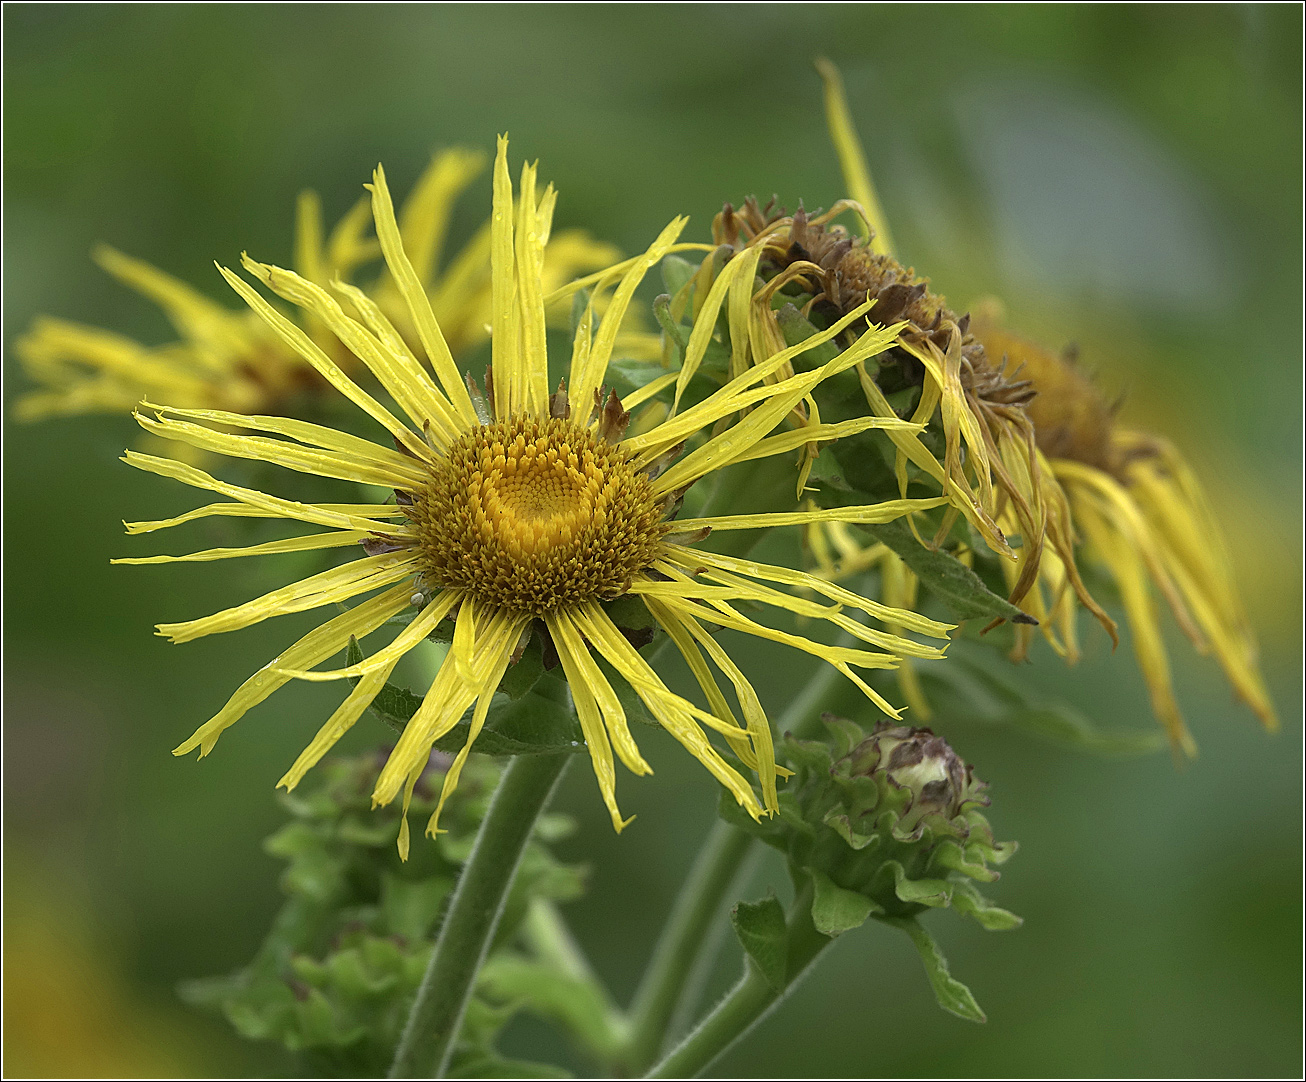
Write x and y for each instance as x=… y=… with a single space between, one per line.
x=932 y=892
x=835 y=910
x=975 y=689
x=968 y=901
x=760 y=927
x=951 y=581
x=951 y=994
x=676 y=271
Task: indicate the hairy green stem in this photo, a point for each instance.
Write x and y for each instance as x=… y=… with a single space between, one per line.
x=749 y=1000
x=696 y=907
x=468 y=927
x=680 y=949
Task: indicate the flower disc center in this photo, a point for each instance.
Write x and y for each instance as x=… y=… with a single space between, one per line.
x=531 y=514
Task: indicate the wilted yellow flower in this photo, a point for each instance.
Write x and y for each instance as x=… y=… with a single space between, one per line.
x=517 y=508
x=992 y=472
x=1059 y=465
x=1145 y=518
x=230 y=360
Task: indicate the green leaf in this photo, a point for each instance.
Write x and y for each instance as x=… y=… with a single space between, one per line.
x=828 y=471
x=580 y=1006
x=797 y=328
x=835 y=910
x=951 y=581
x=968 y=901
x=951 y=994
x=410 y=907
x=531 y=725
x=760 y=927
x=971 y=689
x=936 y=893
x=676 y=271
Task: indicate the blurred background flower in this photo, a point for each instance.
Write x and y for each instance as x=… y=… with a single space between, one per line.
x=1126 y=178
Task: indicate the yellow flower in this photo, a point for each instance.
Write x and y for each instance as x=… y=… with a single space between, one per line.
x=231 y=360
x=518 y=508
x=1145 y=518
x=1057 y=459
x=992 y=472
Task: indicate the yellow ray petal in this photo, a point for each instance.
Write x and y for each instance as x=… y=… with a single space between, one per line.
x=569 y=637
x=308 y=349
x=315 y=647
x=325 y=588
x=857 y=176
x=399 y=474
x=303 y=431
x=675 y=714
x=359 y=699
x=419 y=307
x=407 y=383
x=530 y=238
x=587 y=379
x=690 y=559
x=334 y=540
x=422 y=625
x=244 y=510
x=323 y=515
x=596 y=735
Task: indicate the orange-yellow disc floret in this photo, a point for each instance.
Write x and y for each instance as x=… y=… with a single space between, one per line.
x=530 y=514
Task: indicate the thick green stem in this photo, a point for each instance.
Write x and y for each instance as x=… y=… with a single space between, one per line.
x=697 y=906
x=468 y=927
x=749 y=1000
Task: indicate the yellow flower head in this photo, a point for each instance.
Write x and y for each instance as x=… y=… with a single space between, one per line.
x=231 y=360
x=992 y=471
x=1145 y=520
x=1046 y=459
x=517 y=508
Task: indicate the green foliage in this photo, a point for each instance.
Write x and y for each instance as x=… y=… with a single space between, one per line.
x=760 y=927
x=884 y=824
x=336 y=975
x=961 y=590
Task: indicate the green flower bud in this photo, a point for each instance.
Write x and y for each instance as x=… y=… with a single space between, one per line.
x=892 y=815
x=919 y=775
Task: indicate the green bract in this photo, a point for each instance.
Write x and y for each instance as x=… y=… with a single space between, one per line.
x=887 y=824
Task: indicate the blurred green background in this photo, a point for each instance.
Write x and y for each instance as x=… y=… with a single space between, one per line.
x=1125 y=177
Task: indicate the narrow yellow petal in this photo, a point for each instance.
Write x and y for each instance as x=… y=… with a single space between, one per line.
x=269 y=506
x=359 y=699
x=422 y=625
x=857 y=177
x=591 y=726
x=530 y=238
x=308 y=349
x=503 y=287
x=397 y=474
x=407 y=383
x=419 y=307
x=614 y=716
x=424 y=217
x=315 y=647
x=339 y=539
x=325 y=588
x=244 y=510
